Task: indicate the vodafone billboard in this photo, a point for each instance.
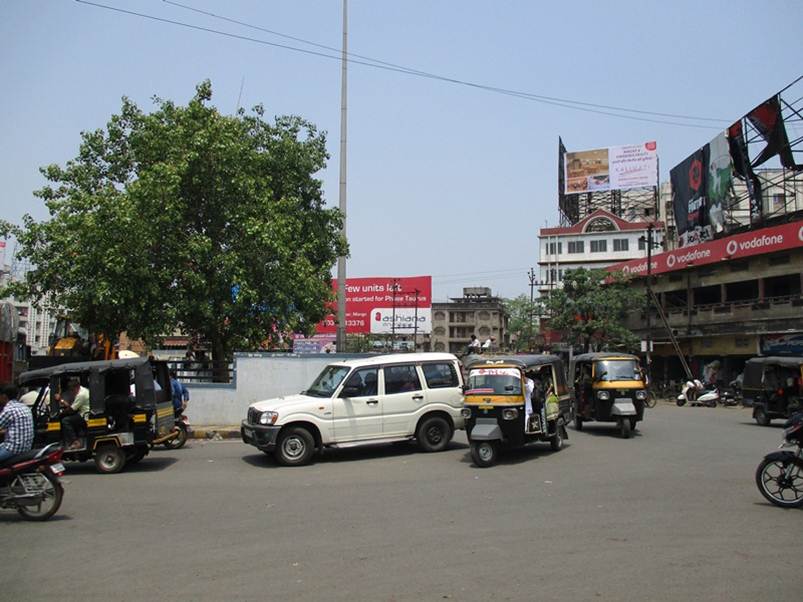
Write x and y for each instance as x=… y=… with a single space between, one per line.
x=755 y=242
x=370 y=306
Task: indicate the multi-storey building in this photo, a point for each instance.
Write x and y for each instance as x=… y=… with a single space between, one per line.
x=477 y=312
x=597 y=241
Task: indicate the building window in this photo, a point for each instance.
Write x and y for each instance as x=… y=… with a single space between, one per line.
x=642 y=243
x=599 y=246
x=576 y=246
x=620 y=244
x=555 y=248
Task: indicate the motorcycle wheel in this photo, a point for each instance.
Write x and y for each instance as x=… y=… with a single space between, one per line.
x=776 y=488
x=650 y=401
x=179 y=441
x=52 y=494
x=681 y=402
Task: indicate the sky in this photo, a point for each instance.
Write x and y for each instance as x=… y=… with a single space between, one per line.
x=448 y=180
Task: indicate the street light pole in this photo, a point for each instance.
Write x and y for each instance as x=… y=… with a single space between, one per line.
x=531 y=276
x=649 y=302
x=341 y=261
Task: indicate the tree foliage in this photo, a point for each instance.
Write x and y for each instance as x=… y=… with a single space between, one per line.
x=590 y=308
x=523 y=321
x=187 y=218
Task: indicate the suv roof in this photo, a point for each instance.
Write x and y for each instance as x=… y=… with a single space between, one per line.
x=397 y=358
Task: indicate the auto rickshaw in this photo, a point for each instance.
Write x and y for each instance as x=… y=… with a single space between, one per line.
x=772 y=385
x=495 y=406
x=608 y=387
x=131 y=409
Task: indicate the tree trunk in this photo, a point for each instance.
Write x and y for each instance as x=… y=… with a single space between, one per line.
x=220 y=364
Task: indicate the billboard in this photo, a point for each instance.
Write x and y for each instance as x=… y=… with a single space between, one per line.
x=739 y=246
x=612 y=168
x=374 y=305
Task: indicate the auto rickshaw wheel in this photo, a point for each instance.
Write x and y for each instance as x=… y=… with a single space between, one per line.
x=110 y=459
x=761 y=417
x=484 y=453
x=633 y=423
x=624 y=427
x=136 y=455
x=578 y=423
x=556 y=440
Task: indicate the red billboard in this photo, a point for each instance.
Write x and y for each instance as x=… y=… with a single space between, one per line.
x=383 y=305
x=739 y=246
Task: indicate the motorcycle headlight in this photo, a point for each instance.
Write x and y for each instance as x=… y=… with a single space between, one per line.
x=268 y=418
x=603 y=395
x=642 y=395
x=510 y=414
x=466 y=412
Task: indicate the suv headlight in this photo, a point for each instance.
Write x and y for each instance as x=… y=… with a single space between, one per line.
x=603 y=395
x=268 y=417
x=641 y=394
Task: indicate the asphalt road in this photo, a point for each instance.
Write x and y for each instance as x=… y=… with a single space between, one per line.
x=672 y=514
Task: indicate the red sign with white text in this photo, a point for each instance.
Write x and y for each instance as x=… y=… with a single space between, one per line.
x=739 y=246
x=372 y=305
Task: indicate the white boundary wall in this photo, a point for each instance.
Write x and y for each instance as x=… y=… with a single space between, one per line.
x=256 y=376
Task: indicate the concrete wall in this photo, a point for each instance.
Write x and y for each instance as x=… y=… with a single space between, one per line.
x=256 y=376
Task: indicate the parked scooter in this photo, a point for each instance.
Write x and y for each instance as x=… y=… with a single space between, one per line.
x=183 y=427
x=695 y=394
x=779 y=477
x=29 y=482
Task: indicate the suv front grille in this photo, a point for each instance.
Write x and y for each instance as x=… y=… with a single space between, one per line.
x=253 y=416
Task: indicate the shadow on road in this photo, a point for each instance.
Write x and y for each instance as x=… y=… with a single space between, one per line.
x=528 y=453
x=147 y=464
x=363 y=453
x=603 y=430
x=13 y=517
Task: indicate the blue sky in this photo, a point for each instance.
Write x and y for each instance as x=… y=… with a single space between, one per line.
x=445 y=180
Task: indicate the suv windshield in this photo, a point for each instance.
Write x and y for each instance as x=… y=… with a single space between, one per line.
x=494 y=381
x=607 y=370
x=327 y=381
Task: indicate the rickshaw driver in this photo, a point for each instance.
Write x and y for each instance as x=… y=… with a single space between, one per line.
x=75 y=410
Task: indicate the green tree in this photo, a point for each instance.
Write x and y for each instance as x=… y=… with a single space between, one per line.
x=590 y=308
x=186 y=218
x=523 y=322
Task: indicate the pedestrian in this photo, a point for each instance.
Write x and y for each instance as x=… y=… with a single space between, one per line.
x=181 y=394
x=16 y=422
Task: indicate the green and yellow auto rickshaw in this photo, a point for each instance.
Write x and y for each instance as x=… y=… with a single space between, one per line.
x=499 y=415
x=608 y=387
x=130 y=409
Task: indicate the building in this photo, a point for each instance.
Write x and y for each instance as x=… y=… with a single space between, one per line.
x=599 y=240
x=725 y=301
x=477 y=312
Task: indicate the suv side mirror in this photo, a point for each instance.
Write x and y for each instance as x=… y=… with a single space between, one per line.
x=350 y=391
x=465 y=388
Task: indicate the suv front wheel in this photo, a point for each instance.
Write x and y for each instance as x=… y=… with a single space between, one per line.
x=295 y=446
x=434 y=434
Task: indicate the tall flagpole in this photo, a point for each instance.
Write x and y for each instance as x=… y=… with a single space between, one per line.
x=341 y=261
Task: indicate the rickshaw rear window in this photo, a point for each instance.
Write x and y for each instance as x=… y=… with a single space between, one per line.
x=608 y=370
x=494 y=381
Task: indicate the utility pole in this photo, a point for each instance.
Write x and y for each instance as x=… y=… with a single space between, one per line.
x=393 y=323
x=415 y=327
x=341 y=261
x=649 y=303
x=531 y=276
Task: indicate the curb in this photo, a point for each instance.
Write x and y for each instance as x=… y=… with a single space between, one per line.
x=214 y=432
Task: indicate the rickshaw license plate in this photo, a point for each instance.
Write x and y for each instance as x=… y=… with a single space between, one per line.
x=58 y=467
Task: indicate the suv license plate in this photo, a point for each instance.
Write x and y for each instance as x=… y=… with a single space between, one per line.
x=248 y=433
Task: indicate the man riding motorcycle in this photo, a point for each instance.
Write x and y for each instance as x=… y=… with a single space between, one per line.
x=16 y=421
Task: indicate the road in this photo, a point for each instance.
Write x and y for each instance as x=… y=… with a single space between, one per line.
x=672 y=514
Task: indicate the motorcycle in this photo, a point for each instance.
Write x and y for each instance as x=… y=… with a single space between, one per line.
x=29 y=483
x=695 y=394
x=779 y=477
x=183 y=427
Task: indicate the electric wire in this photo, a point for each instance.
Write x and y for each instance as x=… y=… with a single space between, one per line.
x=513 y=93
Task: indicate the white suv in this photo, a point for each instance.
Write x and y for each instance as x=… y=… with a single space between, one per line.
x=371 y=400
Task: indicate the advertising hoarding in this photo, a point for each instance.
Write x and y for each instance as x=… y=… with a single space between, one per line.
x=372 y=303
x=613 y=168
x=739 y=246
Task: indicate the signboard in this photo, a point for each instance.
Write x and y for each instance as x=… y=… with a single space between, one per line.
x=612 y=168
x=372 y=303
x=319 y=343
x=756 y=242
